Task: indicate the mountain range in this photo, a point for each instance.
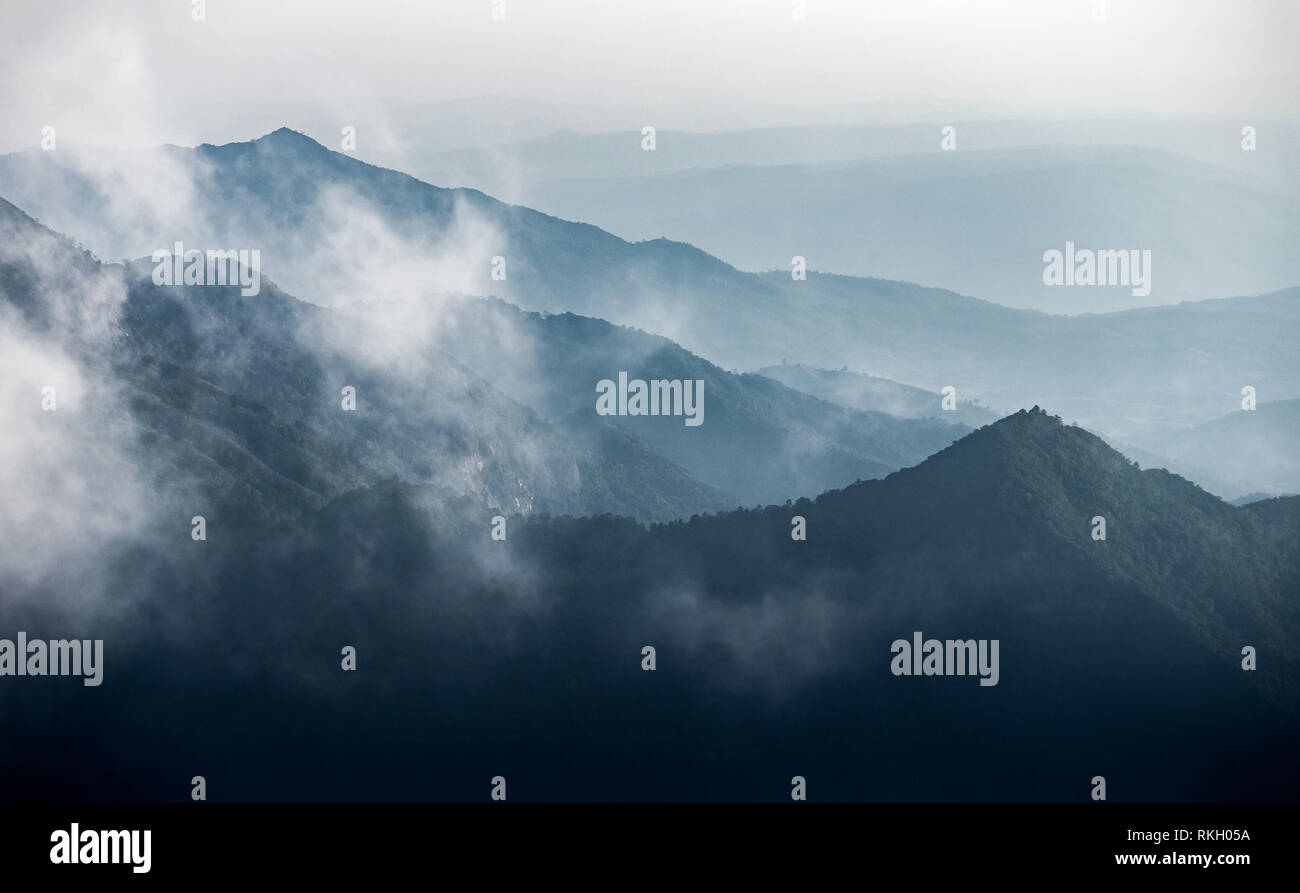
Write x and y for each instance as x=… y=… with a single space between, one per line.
x=761 y=441
x=237 y=402
x=977 y=222
x=335 y=230
x=254 y=385
x=1119 y=657
x=501 y=557
x=868 y=392
x=510 y=165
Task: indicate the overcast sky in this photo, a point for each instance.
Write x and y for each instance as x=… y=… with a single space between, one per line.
x=144 y=72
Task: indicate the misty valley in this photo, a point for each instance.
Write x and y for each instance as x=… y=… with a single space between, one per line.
x=379 y=540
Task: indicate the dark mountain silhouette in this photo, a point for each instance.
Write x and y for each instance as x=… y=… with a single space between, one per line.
x=523 y=658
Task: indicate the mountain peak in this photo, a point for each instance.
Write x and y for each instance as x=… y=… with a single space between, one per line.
x=281 y=139
x=1037 y=429
x=289 y=138
x=1035 y=415
x=286 y=134
x=1029 y=451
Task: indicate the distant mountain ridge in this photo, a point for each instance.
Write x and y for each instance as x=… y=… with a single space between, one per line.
x=760 y=441
x=871 y=393
x=975 y=222
x=1251 y=450
x=306 y=206
x=509 y=169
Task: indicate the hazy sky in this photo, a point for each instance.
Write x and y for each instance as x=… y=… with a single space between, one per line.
x=144 y=72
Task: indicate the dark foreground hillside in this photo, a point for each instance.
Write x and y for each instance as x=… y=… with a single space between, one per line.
x=523 y=658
